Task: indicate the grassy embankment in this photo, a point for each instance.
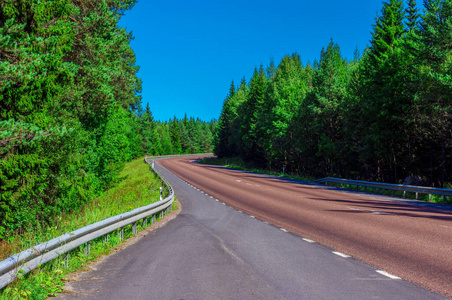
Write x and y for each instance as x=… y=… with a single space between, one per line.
x=137 y=186
x=239 y=164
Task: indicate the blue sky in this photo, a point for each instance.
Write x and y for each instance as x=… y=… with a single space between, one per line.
x=190 y=51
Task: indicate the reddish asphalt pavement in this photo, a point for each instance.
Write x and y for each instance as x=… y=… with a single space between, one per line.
x=409 y=241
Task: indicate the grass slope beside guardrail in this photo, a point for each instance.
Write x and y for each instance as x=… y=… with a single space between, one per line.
x=139 y=186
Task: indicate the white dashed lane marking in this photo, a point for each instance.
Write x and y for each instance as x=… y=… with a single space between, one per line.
x=308 y=240
x=387 y=274
x=341 y=254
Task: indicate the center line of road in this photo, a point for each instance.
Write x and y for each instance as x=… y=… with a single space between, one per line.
x=387 y=274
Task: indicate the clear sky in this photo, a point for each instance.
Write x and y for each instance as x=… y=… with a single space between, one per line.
x=190 y=51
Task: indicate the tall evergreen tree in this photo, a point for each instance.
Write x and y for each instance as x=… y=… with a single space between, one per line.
x=175 y=136
x=388 y=30
x=223 y=133
x=435 y=52
x=252 y=108
x=412 y=15
x=286 y=92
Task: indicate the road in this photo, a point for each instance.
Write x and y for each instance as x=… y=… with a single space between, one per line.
x=244 y=236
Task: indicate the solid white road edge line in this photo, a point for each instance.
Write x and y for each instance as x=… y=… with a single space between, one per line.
x=308 y=240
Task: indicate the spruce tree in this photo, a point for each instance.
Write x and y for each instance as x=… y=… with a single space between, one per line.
x=252 y=109
x=175 y=136
x=223 y=132
x=412 y=15
x=388 y=30
x=435 y=52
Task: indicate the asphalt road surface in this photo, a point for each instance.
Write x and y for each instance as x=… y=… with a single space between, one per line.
x=281 y=240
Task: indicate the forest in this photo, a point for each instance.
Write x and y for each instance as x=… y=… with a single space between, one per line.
x=70 y=109
x=385 y=115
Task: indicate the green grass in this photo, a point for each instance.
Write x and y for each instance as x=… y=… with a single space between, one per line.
x=238 y=164
x=138 y=186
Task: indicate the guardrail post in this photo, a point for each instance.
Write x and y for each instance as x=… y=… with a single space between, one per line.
x=374 y=190
x=134 y=228
x=404 y=194
x=384 y=192
x=106 y=239
x=357 y=187
x=417 y=195
x=121 y=234
x=144 y=223
x=87 y=249
x=444 y=199
x=429 y=197
x=66 y=261
x=153 y=219
x=161 y=194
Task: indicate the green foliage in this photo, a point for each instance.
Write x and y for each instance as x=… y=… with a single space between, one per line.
x=68 y=93
x=385 y=115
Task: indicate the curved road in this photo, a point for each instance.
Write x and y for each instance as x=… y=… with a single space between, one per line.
x=212 y=251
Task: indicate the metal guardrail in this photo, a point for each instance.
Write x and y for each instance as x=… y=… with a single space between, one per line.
x=31 y=258
x=386 y=186
x=179 y=155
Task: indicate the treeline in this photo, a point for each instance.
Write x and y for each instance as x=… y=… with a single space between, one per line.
x=384 y=115
x=185 y=136
x=70 y=112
